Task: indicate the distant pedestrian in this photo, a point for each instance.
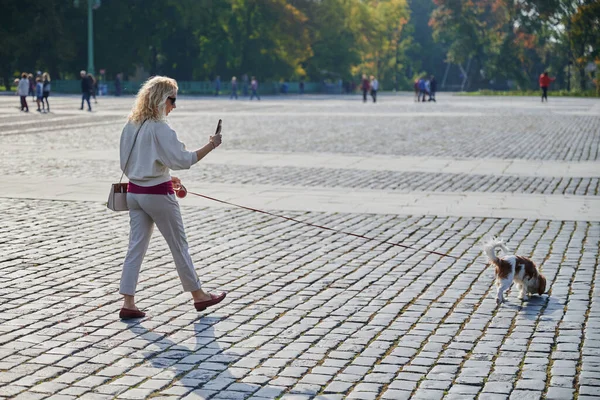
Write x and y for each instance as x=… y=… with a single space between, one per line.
x=93 y=87
x=245 y=85
x=422 y=89
x=545 y=82
x=432 y=88
x=46 y=91
x=301 y=86
x=23 y=91
x=416 y=88
x=217 y=85
x=31 y=86
x=254 y=88
x=118 y=84
x=365 y=86
x=39 y=92
x=85 y=90
x=233 y=88
x=374 y=88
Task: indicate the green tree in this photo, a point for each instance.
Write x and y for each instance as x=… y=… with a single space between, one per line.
x=332 y=39
x=573 y=28
x=422 y=53
x=271 y=37
x=491 y=33
x=585 y=37
x=35 y=36
x=379 y=26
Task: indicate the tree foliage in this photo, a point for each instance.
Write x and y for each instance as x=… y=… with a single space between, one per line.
x=517 y=40
x=396 y=40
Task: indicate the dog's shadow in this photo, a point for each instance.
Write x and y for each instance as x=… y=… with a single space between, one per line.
x=542 y=307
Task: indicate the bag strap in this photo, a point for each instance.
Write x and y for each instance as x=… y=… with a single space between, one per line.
x=131 y=151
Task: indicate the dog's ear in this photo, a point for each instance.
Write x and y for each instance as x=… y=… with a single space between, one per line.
x=541 y=285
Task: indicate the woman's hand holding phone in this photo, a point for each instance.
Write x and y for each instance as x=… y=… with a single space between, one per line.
x=216 y=139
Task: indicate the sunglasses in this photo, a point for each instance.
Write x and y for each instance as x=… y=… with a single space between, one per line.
x=172 y=100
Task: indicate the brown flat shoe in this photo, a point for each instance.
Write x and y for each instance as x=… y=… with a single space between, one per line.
x=127 y=313
x=215 y=299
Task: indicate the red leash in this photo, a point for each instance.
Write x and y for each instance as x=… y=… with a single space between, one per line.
x=183 y=191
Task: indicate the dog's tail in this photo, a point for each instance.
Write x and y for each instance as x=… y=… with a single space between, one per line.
x=490 y=249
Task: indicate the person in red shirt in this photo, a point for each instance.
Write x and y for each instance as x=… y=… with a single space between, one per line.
x=545 y=81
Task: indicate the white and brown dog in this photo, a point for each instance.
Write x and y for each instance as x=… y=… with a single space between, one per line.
x=512 y=267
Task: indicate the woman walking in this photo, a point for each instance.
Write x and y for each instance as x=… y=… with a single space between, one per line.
x=93 y=87
x=149 y=150
x=46 y=91
x=23 y=91
x=31 y=86
x=39 y=92
x=365 y=86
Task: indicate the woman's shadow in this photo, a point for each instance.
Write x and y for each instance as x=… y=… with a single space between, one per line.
x=198 y=363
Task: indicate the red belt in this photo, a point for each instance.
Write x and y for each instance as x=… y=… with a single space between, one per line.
x=163 y=188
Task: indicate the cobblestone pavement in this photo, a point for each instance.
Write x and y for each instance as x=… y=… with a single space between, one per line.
x=309 y=313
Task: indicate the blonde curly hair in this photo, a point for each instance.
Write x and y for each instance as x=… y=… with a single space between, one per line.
x=150 y=102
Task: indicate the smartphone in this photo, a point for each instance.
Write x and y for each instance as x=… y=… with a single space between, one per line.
x=218 y=132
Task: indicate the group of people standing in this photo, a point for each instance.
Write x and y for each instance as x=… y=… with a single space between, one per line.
x=425 y=87
x=38 y=88
x=369 y=85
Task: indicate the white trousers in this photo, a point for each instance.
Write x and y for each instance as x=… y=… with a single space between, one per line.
x=144 y=211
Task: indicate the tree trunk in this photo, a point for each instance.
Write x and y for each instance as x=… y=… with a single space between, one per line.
x=6 y=76
x=582 y=80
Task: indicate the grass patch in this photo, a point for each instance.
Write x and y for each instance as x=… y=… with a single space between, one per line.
x=537 y=93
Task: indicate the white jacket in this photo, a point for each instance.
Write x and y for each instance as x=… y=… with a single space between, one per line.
x=23 y=87
x=157 y=150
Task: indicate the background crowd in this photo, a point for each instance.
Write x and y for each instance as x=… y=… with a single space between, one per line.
x=425 y=87
x=38 y=88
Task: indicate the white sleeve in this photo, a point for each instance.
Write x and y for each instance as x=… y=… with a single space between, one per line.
x=171 y=152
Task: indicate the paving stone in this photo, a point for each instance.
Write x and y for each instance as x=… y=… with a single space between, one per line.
x=75 y=391
x=464 y=390
x=338 y=387
x=301 y=388
x=315 y=379
x=200 y=395
x=589 y=390
x=269 y=391
x=396 y=394
x=136 y=394
x=309 y=313
x=30 y=395
x=525 y=394
x=559 y=393
x=428 y=394
x=48 y=387
x=531 y=384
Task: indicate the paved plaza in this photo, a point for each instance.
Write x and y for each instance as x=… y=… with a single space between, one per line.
x=310 y=314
